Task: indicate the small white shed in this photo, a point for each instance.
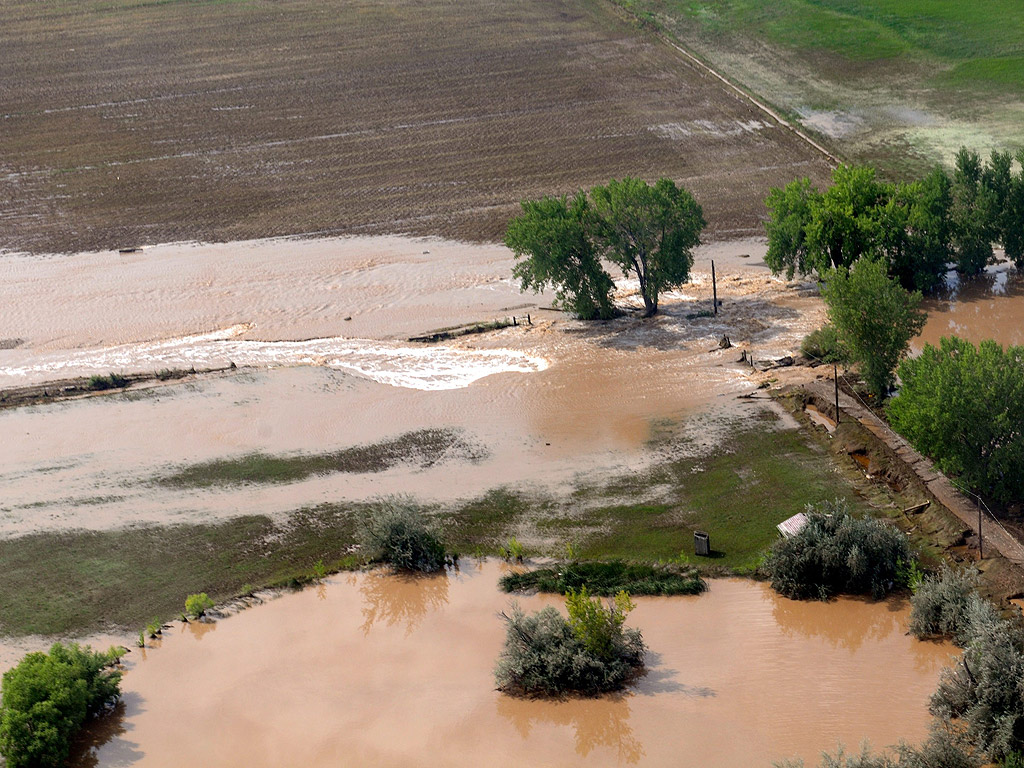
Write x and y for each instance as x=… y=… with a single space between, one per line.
x=792 y=526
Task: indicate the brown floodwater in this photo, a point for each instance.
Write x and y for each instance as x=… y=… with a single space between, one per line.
x=381 y=670
x=990 y=306
x=547 y=403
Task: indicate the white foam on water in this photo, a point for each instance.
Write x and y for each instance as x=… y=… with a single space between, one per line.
x=424 y=368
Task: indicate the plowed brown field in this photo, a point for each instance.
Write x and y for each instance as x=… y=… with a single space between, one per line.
x=123 y=123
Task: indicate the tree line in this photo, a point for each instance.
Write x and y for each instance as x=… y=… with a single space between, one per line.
x=917 y=229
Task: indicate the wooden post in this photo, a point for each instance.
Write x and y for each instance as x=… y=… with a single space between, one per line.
x=528 y=320
x=835 y=378
x=714 y=286
x=514 y=323
x=981 y=546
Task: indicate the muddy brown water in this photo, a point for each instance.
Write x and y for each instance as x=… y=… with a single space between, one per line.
x=546 y=401
x=990 y=306
x=381 y=670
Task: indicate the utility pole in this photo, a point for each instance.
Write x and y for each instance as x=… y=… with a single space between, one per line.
x=714 y=287
x=981 y=546
x=835 y=379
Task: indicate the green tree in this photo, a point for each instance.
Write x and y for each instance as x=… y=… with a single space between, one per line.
x=914 y=231
x=875 y=318
x=964 y=406
x=790 y=211
x=1012 y=221
x=552 y=240
x=844 y=225
x=47 y=698
x=973 y=214
x=647 y=231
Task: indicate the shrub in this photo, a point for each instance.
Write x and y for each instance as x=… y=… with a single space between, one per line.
x=948 y=605
x=111 y=381
x=606 y=579
x=197 y=605
x=823 y=344
x=874 y=318
x=591 y=653
x=513 y=550
x=395 y=531
x=46 y=699
x=940 y=750
x=984 y=690
x=836 y=552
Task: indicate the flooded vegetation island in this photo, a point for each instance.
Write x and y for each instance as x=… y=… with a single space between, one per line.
x=589 y=383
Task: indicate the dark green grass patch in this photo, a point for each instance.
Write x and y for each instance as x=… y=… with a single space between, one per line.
x=756 y=479
x=423 y=448
x=123 y=578
x=607 y=579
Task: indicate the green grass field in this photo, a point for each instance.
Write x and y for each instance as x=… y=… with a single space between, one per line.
x=903 y=83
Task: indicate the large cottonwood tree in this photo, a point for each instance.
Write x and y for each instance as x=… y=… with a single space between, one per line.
x=646 y=230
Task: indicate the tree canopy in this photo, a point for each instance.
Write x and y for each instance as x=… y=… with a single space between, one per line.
x=874 y=318
x=553 y=234
x=646 y=230
x=46 y=699
x=963 y=405
x=916 y=228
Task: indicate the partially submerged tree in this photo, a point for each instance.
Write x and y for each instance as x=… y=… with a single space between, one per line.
x=397 y=532
x=648 y=231
x=916 y=228
x=46 y=699
x=552 y=242
x=874 y=317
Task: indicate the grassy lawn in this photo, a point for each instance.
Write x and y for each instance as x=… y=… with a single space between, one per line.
x=83 y=581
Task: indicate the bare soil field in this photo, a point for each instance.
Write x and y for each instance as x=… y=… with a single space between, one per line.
x=128 y=123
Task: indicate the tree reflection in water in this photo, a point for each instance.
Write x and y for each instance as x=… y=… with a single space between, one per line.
x=602 y=722
x=98 y=733
x=401 y=598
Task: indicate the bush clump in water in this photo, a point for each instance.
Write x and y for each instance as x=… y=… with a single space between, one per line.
x=590 y=653
x=985 y=689
x=396 y=531
x=941 y=750
x=48 y=696
x=838 y=553
x=606 y=579
x=948 y=605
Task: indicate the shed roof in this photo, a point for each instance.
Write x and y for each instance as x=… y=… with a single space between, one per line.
x=793 y=525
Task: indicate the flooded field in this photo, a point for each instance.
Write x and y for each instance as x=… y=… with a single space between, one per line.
x=990 y=306
x=380 y=670
x=543 y=402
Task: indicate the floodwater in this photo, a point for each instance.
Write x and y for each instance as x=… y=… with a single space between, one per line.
x=374 y=669
x=545 y=402
x=990 y=306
